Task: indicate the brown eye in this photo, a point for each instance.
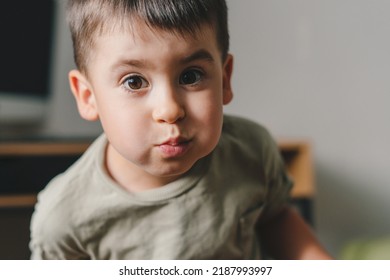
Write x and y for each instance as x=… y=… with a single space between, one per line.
x=190 y=77
x=135 y=83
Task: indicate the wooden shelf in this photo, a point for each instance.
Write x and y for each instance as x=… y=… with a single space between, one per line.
x=299 y=162
x=17 y=201
x=297 y=156
x=50 y=148
x=36 y=149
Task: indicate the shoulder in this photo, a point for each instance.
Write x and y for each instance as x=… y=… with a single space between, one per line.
x=235 y=124
x=248 y=135
x=52 y=222
x=251 y=145
x=245 y=130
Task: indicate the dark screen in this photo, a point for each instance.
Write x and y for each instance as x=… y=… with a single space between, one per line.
x=26 y=35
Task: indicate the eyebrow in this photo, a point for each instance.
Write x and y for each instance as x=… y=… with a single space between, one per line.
x=201 y=54
x=198 y=55
x=131 y=62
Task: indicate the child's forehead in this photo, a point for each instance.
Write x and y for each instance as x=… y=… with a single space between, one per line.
x=139 y=28
x=139 y=34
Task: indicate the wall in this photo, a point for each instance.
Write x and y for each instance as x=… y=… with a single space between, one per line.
x=310 y=69
x=320 y=70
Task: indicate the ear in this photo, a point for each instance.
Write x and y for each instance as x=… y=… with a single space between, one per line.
x=83 y=93
x=227 y=76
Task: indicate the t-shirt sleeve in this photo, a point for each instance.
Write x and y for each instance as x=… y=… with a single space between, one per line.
x=277 y=180
x=51 y=242
x=52 y=234
x=264 y=155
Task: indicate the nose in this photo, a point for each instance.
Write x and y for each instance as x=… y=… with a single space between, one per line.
x=168 y=107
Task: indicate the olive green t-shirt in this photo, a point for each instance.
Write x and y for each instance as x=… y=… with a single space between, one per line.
x=208 y=214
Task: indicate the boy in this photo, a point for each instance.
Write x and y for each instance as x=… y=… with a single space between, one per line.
x=171 y=177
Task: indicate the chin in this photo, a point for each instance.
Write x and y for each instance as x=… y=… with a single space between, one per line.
x=172 y=171
x=176 y=173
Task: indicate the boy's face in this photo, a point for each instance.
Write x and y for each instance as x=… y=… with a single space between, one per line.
x=159 y=97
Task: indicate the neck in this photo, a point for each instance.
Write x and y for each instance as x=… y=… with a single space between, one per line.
x=130 y=176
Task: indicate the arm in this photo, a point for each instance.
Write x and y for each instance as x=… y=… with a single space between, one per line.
x=287 y=236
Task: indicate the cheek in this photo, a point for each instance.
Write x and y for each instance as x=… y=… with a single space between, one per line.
x=209 y=108
x=214 y=115
x=209 y=114
x=121 y=120
x=130 y=138
x=125 y=125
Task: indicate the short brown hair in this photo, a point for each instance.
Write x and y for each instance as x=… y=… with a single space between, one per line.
x=88 y=18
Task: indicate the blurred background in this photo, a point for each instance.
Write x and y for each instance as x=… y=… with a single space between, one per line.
x=316 y=70
x=319 y=70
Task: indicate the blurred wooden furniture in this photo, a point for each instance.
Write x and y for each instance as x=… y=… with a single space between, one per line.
x=298 y=158
x=299 y=162
x=32 y=161
x=25 y=168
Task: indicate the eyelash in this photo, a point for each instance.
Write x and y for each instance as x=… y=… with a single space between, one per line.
x=200 y=75
x=143 y=83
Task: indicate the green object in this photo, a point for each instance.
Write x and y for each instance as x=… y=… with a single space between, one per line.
x=367 y=249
